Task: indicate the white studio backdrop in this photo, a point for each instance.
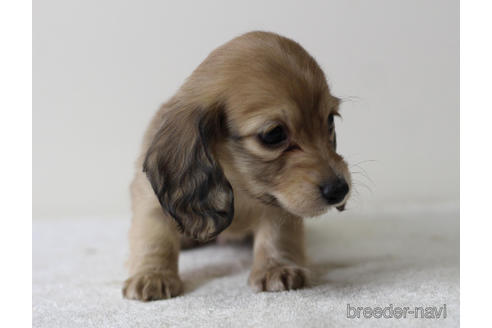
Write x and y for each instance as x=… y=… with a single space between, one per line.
x=102 y=68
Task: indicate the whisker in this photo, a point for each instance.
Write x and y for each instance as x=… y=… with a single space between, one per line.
x=358 y=183
x=350 y=98
x=363 y=174
x=365 y=161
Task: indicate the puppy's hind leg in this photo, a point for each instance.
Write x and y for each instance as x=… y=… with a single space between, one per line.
x=154 y=248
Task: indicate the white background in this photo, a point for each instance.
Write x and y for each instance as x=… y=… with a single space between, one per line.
x=102 y=68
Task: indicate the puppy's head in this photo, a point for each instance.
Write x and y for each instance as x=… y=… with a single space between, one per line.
x=261 y=104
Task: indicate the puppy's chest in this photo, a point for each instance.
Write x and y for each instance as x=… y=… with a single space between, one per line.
x=245 y=221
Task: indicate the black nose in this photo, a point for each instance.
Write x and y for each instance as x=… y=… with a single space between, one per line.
x=334 y=191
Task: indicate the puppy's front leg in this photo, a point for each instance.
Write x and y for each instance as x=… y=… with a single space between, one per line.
x=154 y=251
x=279 y=256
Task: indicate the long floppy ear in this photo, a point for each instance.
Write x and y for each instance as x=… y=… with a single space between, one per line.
x=187 y=179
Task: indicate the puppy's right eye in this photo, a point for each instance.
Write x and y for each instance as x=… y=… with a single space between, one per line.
x=273 y=137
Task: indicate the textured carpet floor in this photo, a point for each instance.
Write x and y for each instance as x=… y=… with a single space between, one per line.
x=407 y=259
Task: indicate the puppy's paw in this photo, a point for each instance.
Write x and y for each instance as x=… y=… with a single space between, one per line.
x=278 y=278
x=150 y=286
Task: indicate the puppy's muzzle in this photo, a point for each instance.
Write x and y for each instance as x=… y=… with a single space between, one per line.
x=335 y=191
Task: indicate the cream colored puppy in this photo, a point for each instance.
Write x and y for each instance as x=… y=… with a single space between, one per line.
x=246 y=146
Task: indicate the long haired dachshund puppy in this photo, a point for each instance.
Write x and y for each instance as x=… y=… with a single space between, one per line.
x=247 y=146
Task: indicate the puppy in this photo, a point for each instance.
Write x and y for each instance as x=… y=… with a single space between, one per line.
x=246 y=146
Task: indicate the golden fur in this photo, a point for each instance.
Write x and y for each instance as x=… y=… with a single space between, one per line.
x=208 y=165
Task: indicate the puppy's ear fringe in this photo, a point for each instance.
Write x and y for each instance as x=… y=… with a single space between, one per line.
x=187 y=179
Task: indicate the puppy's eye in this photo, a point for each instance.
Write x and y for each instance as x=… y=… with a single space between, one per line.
x=274 y=136
x=331 y=123
x=330 y=120
x=331 y=130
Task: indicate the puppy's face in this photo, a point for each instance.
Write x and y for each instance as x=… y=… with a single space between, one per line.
x=285 y=148
x=261 y=104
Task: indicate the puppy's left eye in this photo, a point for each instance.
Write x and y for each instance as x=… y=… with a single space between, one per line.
x=330 y=121
x=274 y=137
x=331 y=130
